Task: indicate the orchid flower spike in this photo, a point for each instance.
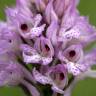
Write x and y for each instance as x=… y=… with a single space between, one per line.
x=51 y=36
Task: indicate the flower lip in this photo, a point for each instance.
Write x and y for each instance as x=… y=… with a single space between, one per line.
x=60 y=70
x=44 y=47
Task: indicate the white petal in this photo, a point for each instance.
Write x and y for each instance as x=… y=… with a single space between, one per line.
x=35 y=58
x=73 y=69
x=37 y=19
x=46 y=60
x=40 y=78
x=71 y=34
x=36 y=31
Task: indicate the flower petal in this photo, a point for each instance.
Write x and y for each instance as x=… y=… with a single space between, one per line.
x=58 y=74
x=30 y=55
x=35 y=32
x=52 y=32
x=73 y=53
x=46 y=60
x=89 y=59
x=23 y=3
x=74 y=68
x=46 y=80
x=40 y=78
x=50 y=14
x=45 y=49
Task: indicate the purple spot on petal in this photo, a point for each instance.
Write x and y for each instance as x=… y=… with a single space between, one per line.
x=24 y=27
x=47 y=48
x=62 y=76
x=72 y=53
x=10 y=41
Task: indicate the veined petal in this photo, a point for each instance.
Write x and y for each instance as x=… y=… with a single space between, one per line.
x=58 y=74
x=59 y=7
x=89 y=59
x=26 y=24
x=35 y=32
x=70 y=16
x=73 y=53
x=46 y=60
x=23 y=3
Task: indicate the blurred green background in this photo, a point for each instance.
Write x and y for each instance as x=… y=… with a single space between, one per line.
x=83 y=88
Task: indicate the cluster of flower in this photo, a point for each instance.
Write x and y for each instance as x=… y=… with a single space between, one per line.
x=50 y=34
